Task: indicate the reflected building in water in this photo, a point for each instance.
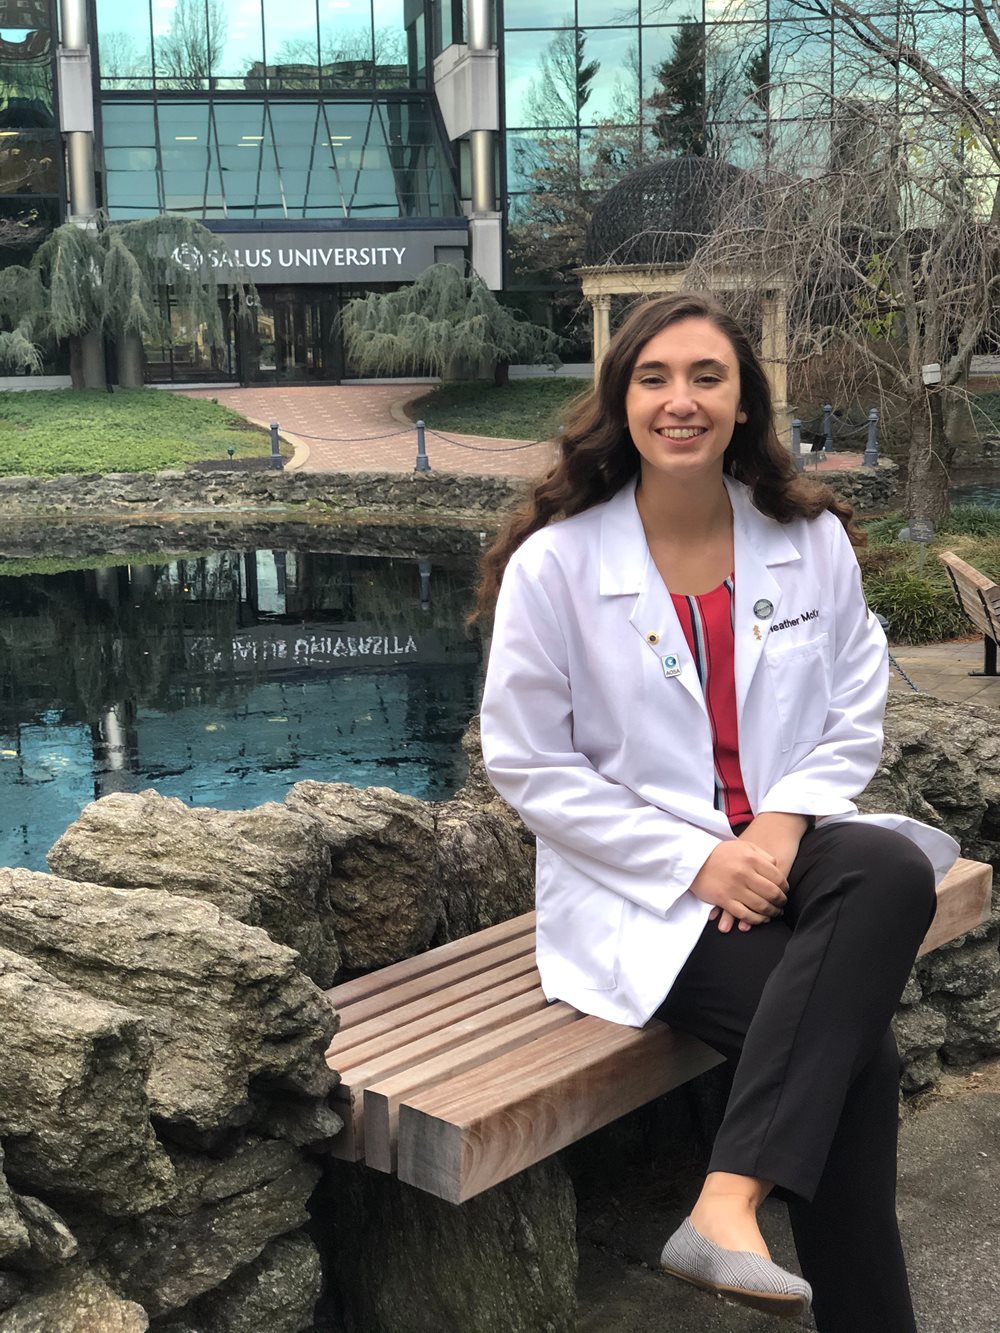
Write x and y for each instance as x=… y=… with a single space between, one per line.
x=223 y=679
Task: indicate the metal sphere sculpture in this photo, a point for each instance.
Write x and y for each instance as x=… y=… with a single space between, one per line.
x=659 y=213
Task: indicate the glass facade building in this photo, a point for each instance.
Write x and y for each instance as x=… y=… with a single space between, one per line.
x=436 y=129
x=30 y=142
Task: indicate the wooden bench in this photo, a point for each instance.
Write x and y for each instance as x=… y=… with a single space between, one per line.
x=456 y=1073
x=979 y=598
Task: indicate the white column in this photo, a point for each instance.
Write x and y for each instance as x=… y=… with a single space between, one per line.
x=76 y=109
x=602 y=328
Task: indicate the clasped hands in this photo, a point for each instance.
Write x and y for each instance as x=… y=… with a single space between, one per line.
x=746 y=880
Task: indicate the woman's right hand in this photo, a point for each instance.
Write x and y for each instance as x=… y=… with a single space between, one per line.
x=743 y=884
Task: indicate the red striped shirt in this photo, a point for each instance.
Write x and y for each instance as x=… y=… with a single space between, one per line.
x=707 y=622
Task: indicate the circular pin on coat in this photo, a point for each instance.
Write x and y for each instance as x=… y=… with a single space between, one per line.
x=671 y=665
x=763 y=609
x=652 y=637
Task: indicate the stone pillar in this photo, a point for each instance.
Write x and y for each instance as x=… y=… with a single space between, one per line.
x=602 y=328
x=774 y=355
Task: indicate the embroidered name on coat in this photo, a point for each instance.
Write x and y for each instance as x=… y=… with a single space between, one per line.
x=790 y=624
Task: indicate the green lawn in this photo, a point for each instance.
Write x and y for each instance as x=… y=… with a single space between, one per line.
x=43 y=432
x=523 y=410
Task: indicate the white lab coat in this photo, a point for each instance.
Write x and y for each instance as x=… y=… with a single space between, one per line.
x=608 y=760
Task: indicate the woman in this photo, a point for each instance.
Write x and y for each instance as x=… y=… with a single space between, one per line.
x=685 y=693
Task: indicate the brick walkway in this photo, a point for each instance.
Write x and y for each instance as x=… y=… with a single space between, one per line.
x=347 y=416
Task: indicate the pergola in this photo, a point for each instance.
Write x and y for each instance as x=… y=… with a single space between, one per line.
x=644 y=233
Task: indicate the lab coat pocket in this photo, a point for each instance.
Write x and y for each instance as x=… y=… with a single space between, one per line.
x=800 y=683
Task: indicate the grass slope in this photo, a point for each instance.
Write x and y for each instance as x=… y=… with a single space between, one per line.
x=523 y=410
x=44 y=432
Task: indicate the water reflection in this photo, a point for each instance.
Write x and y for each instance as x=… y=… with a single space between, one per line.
x=224 y=678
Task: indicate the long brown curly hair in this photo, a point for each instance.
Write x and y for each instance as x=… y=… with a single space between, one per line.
x=597 y=456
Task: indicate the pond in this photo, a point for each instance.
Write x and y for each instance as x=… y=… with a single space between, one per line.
x=224 y=678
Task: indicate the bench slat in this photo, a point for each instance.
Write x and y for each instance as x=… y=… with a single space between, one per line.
x=470 y=1008
x=373 y=983
x=431 y=1007
x=963 y=902
x=383 y=1098
x=474 y=972
x=461 y=1138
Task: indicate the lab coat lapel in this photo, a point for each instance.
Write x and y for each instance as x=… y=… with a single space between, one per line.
x=627 y=568
x=759 y=543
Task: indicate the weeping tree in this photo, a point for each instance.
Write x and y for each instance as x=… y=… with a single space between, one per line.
x=444 y=323
x=85 y=284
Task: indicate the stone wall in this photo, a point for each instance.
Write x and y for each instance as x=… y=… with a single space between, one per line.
x=164 y=1107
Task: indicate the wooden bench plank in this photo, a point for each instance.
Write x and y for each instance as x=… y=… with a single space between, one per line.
x=469 y=1132
x=537 y=1099
x=520 y=977
x=373 y=983
x=963 y=903
x=474 y=972
x=383 y=1098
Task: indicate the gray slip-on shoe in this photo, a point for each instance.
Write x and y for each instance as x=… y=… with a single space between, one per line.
x=738 y=1275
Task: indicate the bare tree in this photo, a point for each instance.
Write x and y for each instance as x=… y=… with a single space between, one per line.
x=189 y=53
x=887 y=266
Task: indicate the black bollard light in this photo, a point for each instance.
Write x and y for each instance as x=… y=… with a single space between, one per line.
x=871 y=448
x=797 y=443
x=423 y=463
x=276 y=459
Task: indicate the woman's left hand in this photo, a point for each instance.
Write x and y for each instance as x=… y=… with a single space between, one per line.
x=777 y=834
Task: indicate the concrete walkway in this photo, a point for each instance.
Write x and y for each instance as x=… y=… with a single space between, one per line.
x=949 y=1184
x=942 y=669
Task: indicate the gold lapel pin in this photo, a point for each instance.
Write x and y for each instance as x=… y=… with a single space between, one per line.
x=652 y=637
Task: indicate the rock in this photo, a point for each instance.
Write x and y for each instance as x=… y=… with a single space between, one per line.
x=277 y=1293
x=267 y=867
x=74 y=1111
x=224 y=1215
x=504 y=1262
x=50 y=1241
x=486 y=868
x=232 y=1018
x=920 y=1033
x=13 y=1232
x=386 y=895
x=74 y=1301
x=941 y=763
x=973 y=1031
x=11 y=1288
x=964 y=968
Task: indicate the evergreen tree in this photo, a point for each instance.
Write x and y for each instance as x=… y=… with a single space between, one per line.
x=680 y=125
x=443 y=323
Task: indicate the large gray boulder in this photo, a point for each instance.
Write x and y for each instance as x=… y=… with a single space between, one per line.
x=504 y=1262
x=277 y=1293
x=268 y=866
x=233 y=1021
x=386 y=893
x=74 y=1110
x=223 y=1216
x=76 y=1300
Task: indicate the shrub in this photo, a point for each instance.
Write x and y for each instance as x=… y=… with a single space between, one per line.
x=971 y=521
x=920 y=607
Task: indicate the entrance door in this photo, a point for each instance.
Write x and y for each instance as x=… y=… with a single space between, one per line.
x=295 y=338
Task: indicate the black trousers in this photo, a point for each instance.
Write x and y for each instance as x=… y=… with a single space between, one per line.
x=803 y=1004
